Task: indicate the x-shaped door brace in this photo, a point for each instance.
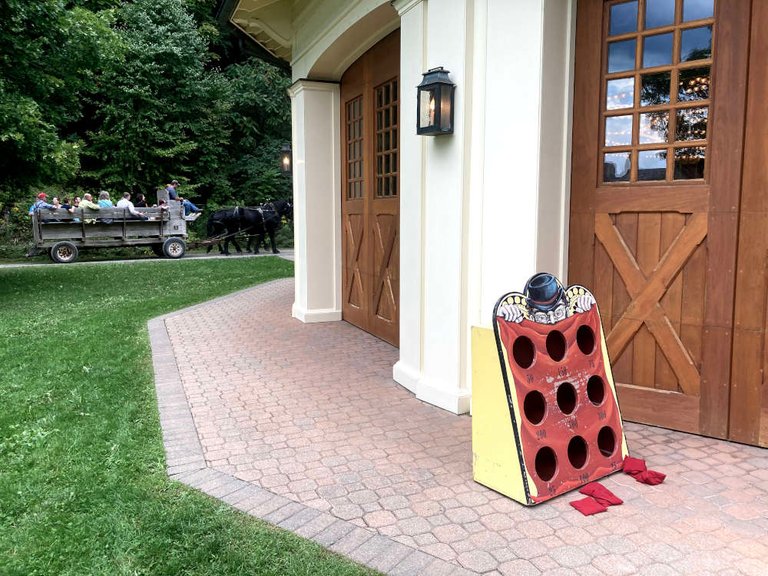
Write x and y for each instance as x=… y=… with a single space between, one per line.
x=386 y=245
x=646 y=294
x=355 y=238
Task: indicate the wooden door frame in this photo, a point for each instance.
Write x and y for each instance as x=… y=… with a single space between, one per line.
x=749 y=395
x=707 y=414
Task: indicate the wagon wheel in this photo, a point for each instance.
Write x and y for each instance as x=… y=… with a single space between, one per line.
x=64 y=252
x=158 y=249
x=174 y=248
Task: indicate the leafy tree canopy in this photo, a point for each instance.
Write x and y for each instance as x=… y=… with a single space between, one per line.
x=126 y=95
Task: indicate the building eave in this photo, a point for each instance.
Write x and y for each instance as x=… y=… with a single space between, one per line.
x=268 y=23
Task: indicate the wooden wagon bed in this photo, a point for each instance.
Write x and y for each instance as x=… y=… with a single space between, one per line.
x=63 y=234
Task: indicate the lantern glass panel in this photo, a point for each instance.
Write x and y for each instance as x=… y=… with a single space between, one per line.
x=426 y=108
x=445 y=108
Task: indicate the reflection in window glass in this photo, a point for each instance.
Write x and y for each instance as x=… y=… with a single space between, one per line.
x=697 y=9
x=652 y=165
x=616 y=167
x=654 y=89
x=693 y=84
x=621 y=56
x=620 y=93
x=696 y=44
x=623 y=18
x=689 y=163
x=692 y=124
x=618 y=130
x=654 y=127
x=657 y=50
x=659 y=13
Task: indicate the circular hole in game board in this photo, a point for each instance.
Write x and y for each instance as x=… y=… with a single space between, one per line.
x=606 y=441
x=523 y=351
x=556 y=345
x=534 y=407
x=546 y=463
x=596 y=390
x=585 y=339
x=577 y=452
x=566 y=397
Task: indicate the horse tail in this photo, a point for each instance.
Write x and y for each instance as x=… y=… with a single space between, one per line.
x=210 y=229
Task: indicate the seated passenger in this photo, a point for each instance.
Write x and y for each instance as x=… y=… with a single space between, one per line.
x=105 y=202
x=73 y=207
x=88 y=204
x=126 y=204
x=141 y=201
x=173 y=194
x=40 y=203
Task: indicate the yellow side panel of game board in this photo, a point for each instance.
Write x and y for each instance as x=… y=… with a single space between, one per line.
x=495 y=458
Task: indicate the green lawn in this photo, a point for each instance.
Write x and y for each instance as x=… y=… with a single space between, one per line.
x=83 y=488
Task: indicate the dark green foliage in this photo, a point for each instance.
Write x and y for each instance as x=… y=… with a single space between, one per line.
x=161 y=111
x=48 y=58
x=124 y=96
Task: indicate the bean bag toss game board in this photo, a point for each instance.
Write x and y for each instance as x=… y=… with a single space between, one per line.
x=545 y=418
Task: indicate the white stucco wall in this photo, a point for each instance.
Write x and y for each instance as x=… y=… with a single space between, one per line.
x=449 y=43
x=413 y=32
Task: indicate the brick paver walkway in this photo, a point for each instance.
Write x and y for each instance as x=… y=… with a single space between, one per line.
x=303 y=426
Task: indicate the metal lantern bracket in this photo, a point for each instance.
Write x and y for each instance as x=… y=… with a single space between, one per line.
x=434 y=103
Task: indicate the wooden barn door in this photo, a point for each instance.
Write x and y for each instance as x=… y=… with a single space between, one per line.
x=371 y=190
x=659 y=112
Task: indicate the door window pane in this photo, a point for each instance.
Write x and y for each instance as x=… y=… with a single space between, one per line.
x=654 y=127
x=652 y=165
x=692 y=124
x=620 y=93
x=696 y=44
x=697 y=9
x=618 y=130
x=654 y=89
x=693 y=84
x=659 y=13
x=657 y=50
x=689 y=163
x=616 y=167
x=623 y=18
x=621 y=56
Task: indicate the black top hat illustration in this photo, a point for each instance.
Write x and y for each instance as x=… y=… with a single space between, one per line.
x=543 y=291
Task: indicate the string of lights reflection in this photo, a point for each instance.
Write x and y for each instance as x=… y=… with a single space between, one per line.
x=620 y=91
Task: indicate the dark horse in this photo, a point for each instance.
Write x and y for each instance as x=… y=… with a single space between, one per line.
x=257 y=223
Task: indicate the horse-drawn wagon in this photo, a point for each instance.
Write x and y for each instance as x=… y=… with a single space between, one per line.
x=63 y=233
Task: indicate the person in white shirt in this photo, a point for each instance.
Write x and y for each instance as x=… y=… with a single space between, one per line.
x=125 y=203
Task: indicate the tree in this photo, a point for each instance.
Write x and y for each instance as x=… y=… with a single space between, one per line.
x=48 y=55
x=126 y=95
x=261 y=123
x=160 y=113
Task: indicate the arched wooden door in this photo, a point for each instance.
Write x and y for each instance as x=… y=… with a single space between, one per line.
x=371 y=190
x=659 y=118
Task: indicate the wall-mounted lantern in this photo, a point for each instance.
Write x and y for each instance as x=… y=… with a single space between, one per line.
x=434 y=112
x=285 y=158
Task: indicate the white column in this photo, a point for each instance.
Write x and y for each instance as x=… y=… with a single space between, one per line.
x=527 y=103
x=443 y=380
x=407 y=371
x=317 y=197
